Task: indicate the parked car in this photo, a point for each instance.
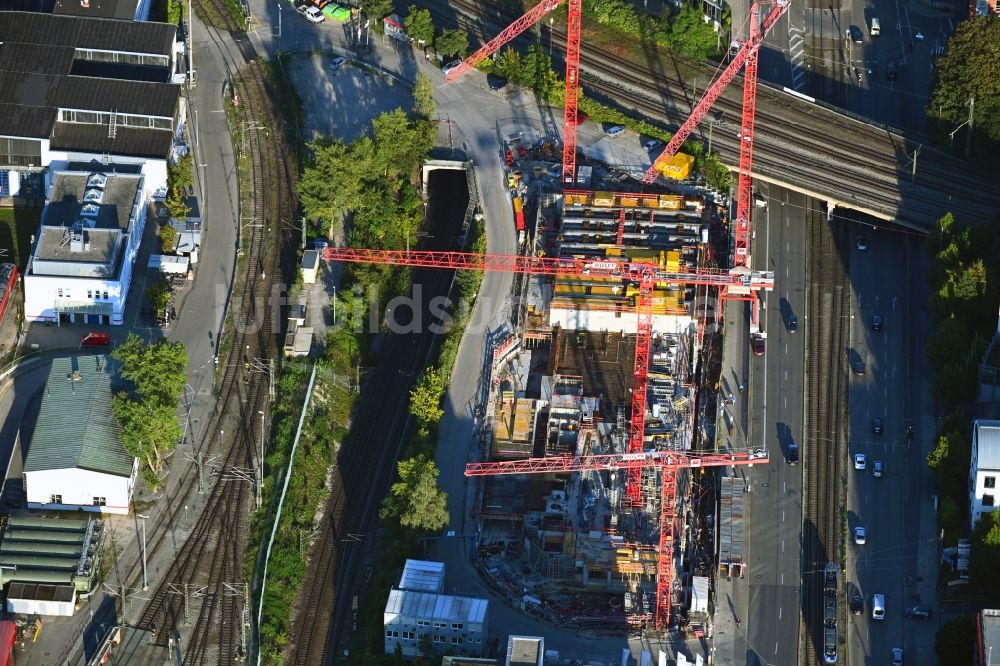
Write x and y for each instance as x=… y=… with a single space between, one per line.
x=652 y=144
x=860 y=461
x=337 y=63
x=615 y=130
x=496 y=82
x=857 y=603
x=758 y=345
x=96 y=340
x=311 y=13
x=450 y=66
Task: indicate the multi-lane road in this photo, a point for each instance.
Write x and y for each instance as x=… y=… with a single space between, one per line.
x=898 y=558
x=776 y=390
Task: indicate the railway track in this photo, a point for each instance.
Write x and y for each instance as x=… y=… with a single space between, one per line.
x=826 y=400
x=863 y=164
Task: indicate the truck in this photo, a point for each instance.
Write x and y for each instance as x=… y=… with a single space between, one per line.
x=758 y=335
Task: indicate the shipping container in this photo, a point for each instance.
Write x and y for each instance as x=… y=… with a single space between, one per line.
x=519 y=214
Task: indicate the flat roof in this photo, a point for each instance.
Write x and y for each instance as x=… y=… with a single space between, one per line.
x=69 y=189
x=441 y=607
x=525 y=650
x=422 y=576
x=116 y=9
x=130 y=141
x=88 y=33
x=86 y=93
x=75 y=427
x=99 y=247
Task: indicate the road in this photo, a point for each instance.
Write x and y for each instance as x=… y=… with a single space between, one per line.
x=899 y=556
x=777 y=384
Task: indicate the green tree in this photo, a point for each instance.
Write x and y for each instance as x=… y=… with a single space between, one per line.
x=155 y=371
x=716 y=173
x=415 y=500
x=149 y=429
x=158 y=295
x=419 y=25
x=423 y=97
x=508 y=65
x=690 y=35
x=168 y=238
x=452 y=43
x=955 y=641
x=949 y=460
x=176 y=203
x=537 y=71
x=330 y=183
x=970 y=67
x=426 y=395
x=985 y=553
x=376 y=11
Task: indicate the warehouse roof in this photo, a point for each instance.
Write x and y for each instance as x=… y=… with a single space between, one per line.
x=988 y=444
x=441 y=607
x=422 y=576
x=130 y=141
x=75 y=427
x=103 y=34
x=85 y=93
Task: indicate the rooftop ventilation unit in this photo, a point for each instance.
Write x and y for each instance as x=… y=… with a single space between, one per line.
x=93 y=195
x=90 y=210
x=85 y=223
x=97 y=180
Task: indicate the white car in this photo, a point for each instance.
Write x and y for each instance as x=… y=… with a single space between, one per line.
x=312 y=14
x=860 y=462
x=450 y=66
x=616 y=130
x=337 y=63
x=652 y=144
x=859 y=535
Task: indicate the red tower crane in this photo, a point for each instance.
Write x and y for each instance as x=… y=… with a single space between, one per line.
x=668 y=461
x=570 y=116
x=745 y=56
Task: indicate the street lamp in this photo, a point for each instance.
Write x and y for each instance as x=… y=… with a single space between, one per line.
x=145 y=579
x=551 y=23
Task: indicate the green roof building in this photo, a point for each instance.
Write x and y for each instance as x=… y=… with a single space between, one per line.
x=74 y=458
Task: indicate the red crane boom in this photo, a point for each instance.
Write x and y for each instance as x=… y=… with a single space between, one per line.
x=530 y=18
x=747 y=50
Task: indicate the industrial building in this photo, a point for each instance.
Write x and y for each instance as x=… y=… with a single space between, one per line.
x=84 y=252
x=418 y=608
x=73 y=458
x=47 y=563
x=77 y=89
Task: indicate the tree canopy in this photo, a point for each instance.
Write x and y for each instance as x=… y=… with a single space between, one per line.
x=970 y=67
x=690 y=35
x=415 y=500
x=147 y=409
x=955 y=641
x=423 y=97
x=425 y=397
x=419 y=25
x=452 y=43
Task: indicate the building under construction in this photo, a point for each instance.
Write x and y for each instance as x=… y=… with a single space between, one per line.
x=575 y=546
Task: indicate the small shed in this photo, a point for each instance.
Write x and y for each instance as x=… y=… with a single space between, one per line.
x=168 y=263
x=394 y=27
x=310 y=266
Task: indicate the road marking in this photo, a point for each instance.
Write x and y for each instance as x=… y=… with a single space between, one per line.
x=782 y=515
x=782 y=577
x=885 y=391
x=779 y=612
x=784 y=402
x=782 y=546
x=786 y=349
x=785 y=486
x=775 y=647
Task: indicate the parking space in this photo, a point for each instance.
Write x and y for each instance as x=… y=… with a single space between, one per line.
x=341 y=102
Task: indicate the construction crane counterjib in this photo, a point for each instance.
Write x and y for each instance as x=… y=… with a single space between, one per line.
x=713 y=92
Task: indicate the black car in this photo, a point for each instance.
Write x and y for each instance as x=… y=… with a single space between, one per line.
x=918 y=613
x=857 y=603
x=792 y=324
x=855 y=34
x=877 y=426
x=876 y=323
x=793 y=454
x=859 y=367
x=496 y=82
x=891 y=71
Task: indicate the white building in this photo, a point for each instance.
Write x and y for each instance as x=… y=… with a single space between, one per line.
x=451 y=622
x=85 y=249
x=74 y=459
x=984 y=469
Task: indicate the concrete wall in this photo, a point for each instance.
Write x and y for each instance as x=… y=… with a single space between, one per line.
x=78 y=488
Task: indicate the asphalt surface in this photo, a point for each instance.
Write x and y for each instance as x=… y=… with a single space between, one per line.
x=900 y=554
x=777 y=382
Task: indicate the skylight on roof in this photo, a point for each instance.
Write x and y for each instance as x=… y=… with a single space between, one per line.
x=97 y=180
x=90 y=210
x=93 y=196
